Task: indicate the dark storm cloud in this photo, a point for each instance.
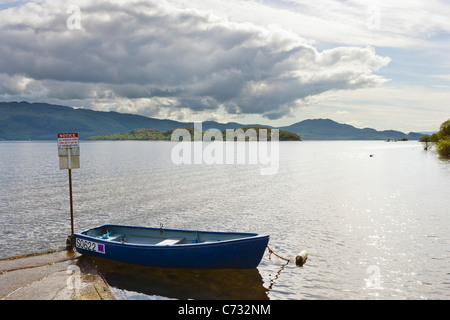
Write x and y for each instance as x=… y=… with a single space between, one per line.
x=134 y=50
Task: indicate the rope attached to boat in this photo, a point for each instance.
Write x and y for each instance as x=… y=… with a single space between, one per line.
x=272 y=252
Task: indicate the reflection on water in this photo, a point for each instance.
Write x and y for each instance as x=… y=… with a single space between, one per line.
x=375 y=227
x=138 y=282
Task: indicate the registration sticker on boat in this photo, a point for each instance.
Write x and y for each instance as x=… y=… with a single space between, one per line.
x=89 y=245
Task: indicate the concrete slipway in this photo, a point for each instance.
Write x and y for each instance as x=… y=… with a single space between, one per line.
x=58 y=275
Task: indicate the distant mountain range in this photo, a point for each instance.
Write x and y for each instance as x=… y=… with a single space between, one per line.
x=42 y=121
x=326 y=129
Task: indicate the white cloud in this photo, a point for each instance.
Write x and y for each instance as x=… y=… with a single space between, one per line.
x=445 y=77
x=395 y=23
x=152 y=56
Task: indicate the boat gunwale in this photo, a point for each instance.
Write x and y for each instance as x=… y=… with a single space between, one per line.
x=248 y=237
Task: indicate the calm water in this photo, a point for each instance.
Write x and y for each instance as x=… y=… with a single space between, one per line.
x=375 y=227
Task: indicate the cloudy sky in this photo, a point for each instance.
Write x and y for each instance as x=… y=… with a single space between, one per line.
x=379 y=64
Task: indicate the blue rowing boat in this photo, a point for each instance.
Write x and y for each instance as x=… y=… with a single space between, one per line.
x=158 y=247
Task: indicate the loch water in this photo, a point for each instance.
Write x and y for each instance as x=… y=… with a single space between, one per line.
x=374 y=216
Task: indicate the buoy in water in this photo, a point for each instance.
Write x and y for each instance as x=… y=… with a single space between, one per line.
x=300 y=258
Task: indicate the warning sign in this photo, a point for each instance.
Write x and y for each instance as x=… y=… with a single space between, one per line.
x=68 y=151
x=68 y=140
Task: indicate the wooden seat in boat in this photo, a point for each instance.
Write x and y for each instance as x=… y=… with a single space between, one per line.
x=169 y=242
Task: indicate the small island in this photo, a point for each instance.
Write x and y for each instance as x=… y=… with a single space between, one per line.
x=158 y=135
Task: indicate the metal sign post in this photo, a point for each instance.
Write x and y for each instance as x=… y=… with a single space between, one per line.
x=71 y=197
x=69 y=158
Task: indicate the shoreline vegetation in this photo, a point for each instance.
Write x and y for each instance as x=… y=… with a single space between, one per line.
x=440 y=139
x=159 y=135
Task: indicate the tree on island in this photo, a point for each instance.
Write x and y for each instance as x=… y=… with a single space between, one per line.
x=155 y=134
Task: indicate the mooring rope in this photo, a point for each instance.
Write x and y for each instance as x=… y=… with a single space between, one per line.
x=272 y=252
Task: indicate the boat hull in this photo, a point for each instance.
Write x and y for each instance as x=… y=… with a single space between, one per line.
x=236 y=250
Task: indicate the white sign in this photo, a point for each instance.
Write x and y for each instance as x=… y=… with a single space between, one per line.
x=68 y=140
x=68 y=151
